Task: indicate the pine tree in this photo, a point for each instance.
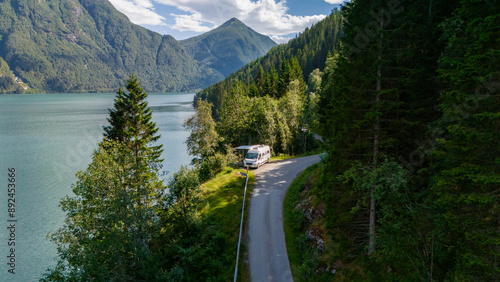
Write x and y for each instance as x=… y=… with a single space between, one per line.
x=360 y=96
x=271 y=83
x=112 y=221
x=130 y=123
x=290 y=71
x=257 y=87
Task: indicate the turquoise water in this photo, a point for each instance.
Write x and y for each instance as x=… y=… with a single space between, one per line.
x=47 y=139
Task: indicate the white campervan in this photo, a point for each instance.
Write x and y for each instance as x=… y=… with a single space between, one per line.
x=257 y=155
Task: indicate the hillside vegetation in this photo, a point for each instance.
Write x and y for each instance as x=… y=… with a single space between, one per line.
x=7 y=79
x=310 y=48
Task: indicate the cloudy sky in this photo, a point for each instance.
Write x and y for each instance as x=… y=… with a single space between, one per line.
x=280 y=19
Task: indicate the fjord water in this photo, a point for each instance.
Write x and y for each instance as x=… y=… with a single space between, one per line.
x=47 y=139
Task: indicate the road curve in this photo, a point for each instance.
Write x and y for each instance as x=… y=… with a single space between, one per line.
x=266 y=239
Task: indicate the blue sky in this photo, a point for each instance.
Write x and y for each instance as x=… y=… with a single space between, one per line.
x=279 y=19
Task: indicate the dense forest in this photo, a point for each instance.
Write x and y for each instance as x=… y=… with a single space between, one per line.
x=410 y=112
x=405 y=97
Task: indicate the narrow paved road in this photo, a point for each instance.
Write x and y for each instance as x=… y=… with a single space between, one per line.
x=266 y=246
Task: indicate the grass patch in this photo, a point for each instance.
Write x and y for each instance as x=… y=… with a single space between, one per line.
x=282 y=156
x=221 y=202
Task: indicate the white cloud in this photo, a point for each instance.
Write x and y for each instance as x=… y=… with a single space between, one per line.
x=189 y=23
x=265 y=16
x=334 y=1
x=139 y=11
x=268 y=17
x=280 y=39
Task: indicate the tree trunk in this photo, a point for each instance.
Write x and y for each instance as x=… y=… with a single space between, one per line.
x=371 y=240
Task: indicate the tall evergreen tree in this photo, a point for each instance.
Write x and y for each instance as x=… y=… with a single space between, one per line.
x=290 y=71
x=271 y=83
x=257 y=87
x=361 y=96
x=112 y=221
x=130 y=123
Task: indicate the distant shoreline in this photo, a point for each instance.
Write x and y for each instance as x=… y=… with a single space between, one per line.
x=99 y=93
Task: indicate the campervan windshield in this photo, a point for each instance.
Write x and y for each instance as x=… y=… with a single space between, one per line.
x=252 y=155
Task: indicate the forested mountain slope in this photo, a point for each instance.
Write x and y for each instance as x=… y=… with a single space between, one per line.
x=228 y=47
x=88 y=46
x=310 y=48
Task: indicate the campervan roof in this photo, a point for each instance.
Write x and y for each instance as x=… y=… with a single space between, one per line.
x=257 y=147
x=245 y=147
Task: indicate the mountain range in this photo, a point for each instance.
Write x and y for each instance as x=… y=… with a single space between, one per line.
x=88 y=46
